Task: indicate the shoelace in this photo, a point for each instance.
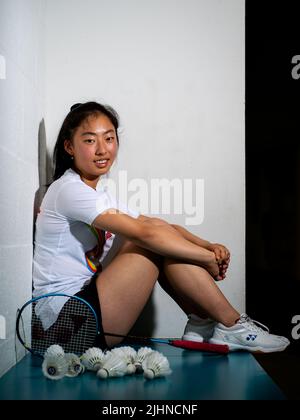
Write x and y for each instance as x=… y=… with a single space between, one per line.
x=252 y=325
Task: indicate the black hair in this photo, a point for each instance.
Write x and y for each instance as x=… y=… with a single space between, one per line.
x=78 y=113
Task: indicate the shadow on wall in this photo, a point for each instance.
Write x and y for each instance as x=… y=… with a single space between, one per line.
x=45 y=171
x=145 y=324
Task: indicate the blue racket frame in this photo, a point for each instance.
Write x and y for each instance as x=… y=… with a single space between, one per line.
x=43 y=297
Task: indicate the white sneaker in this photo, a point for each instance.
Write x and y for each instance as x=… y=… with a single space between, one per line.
x=198 y=329
x=246 y=335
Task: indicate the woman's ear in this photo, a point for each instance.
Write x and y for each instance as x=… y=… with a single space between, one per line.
x=68 y=147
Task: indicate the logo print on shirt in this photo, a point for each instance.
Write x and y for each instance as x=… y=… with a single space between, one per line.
x=93 y=255
x=108 y=235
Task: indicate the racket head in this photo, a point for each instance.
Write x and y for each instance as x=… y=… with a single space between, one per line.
x=75 y=328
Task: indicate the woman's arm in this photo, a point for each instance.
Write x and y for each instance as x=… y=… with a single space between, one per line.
x=157 y=236
x=222 y=254
x=192 y=238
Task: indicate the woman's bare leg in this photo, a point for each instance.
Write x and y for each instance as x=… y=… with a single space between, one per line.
x=124 y=287
x=183 y=302
x=195 y=291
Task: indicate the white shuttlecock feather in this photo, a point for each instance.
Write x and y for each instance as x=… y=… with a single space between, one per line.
x=140 y=357
x=54 y=367
x=129 y=354
x=54 y=350
x=114 y=366
x=75 y=367
x=93 y=359
x=155 y=365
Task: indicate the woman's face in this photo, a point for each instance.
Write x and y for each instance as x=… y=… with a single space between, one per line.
x=94 y=147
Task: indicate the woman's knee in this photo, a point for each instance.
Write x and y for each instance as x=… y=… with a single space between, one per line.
x=130 y=248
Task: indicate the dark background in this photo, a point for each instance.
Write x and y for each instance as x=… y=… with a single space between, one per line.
x=273 y=165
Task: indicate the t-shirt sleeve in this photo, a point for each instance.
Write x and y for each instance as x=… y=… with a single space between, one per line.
x=80 y=202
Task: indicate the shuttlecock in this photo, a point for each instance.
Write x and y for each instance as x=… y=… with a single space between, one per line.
x=54 y=350
x=113 y=366
x=140 y=357
x=155 y=365
x=129 y=354
x=93 y=359
x=54 y=367
x=75 y=367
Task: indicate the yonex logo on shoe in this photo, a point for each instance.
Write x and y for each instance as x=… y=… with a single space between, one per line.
x=251 y=337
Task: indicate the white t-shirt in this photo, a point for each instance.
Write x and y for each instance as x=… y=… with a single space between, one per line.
x=68 y=250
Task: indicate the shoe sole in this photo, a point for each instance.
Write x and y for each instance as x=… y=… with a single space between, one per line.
x=196 y=339
x=237 y=347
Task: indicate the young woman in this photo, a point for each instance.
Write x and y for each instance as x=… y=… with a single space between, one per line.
x=88 y=243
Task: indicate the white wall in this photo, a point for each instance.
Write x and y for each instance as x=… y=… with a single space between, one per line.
x=174 y=70
x=21 y=110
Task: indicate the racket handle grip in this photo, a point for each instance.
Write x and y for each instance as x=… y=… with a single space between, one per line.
x=193 y=345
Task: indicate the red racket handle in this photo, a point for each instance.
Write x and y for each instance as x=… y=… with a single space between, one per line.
x=193 y=345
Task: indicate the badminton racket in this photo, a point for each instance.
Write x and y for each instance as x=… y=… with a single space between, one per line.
x=184 y=344
x=76 y=329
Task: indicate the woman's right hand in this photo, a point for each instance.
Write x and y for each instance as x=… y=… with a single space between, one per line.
x=214 y=269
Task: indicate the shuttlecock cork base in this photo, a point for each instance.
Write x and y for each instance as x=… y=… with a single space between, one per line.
x=155 y=365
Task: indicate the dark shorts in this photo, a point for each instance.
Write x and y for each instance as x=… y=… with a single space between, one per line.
x=90 y=294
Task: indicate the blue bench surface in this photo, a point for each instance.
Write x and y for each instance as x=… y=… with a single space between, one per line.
x=195 y=376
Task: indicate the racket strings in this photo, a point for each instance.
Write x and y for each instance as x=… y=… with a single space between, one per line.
x=75 y=329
